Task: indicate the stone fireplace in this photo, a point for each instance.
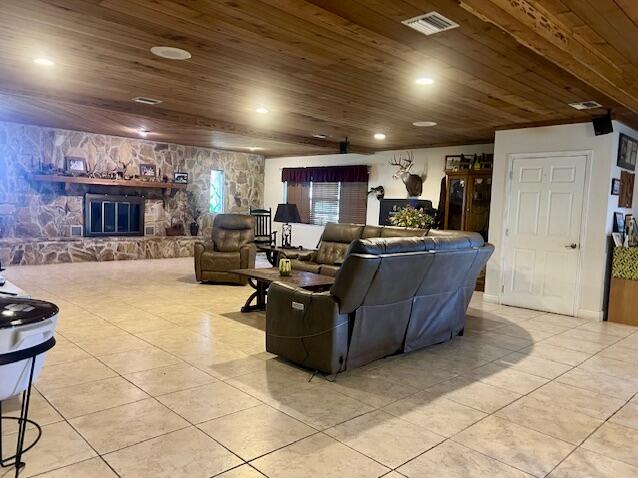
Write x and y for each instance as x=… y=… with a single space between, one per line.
x=38 y=221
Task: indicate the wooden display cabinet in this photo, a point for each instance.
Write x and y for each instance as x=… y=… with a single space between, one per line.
x=467 y=205
x=467 y=201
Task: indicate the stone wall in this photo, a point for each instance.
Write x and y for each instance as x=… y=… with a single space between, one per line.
x=40 y=211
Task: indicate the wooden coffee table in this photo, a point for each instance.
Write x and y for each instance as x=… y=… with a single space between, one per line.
x=260 y=280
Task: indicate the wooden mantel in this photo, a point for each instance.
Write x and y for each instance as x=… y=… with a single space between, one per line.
x=127 y=183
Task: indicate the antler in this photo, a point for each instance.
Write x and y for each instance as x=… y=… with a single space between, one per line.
x=395 y=162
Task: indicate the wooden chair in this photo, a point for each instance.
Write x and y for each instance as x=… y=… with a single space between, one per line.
x=264 y=235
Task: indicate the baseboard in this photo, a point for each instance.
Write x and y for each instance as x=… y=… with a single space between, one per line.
x=494 y=299
x=590 y=314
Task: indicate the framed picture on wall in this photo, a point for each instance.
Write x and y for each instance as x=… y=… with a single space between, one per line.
x=615 y=187
x=619 y=222
x=626 y=191
x=627 y=152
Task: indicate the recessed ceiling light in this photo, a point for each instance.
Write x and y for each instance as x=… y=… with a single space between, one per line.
x=424 y=80
x=170 y=53
x=320 y=136
x=261 y=110
x=143 y=132
x=379 y=136
x=424 y=124
x=43 y=62
x=255 y=148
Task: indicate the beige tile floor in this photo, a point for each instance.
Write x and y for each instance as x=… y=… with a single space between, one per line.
x=157 y=376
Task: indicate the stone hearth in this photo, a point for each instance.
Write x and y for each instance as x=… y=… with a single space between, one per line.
x=90 y=249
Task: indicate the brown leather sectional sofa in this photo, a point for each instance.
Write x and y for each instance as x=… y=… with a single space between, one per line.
x=334 y=243
x=391 y=295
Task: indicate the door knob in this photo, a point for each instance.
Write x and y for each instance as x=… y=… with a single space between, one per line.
x=571 y=246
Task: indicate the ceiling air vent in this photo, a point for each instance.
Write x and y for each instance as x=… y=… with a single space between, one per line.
x=586 y=105
x=146 y=101
x=430 y=23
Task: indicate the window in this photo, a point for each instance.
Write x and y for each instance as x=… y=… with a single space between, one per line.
x=323 y=202
x=216 y=202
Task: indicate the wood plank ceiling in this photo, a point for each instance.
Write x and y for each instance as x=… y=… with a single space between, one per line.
x=333 y=67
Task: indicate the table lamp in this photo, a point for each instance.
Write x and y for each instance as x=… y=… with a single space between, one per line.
x=287 y=213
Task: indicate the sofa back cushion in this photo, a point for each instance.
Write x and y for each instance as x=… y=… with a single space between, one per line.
x=389 y=270
x=371 y=231
x=393 y=231
x=232 y=231
x=331 y=253
x=345 y=233
x=335 y=241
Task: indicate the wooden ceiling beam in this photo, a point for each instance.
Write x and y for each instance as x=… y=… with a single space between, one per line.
x=536 y=28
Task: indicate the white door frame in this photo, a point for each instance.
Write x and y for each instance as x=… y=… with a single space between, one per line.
x=510 y=158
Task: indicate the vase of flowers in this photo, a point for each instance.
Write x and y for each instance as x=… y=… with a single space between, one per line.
x=410 y=216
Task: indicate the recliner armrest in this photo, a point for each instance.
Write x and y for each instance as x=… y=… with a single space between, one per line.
x=247 y=254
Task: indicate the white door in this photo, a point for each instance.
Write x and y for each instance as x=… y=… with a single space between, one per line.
x=542 y=237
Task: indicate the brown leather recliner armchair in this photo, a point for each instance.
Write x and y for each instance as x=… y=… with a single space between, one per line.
x=232 y=248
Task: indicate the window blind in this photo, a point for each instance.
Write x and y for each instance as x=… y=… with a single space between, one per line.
x=324 y=202
x=299 y=194
x=353 y=203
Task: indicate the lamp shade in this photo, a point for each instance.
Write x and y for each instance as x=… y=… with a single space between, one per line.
x=287 y=213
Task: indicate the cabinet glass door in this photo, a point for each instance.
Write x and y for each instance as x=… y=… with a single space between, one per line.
x=478 y=214
x=456 y=195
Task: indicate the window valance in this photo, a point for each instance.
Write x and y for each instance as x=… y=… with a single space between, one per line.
x=326 y=174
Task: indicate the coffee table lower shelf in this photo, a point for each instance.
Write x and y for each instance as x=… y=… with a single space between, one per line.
x=260 y=279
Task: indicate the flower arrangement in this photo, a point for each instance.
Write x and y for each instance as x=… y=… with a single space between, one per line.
x=409 y=216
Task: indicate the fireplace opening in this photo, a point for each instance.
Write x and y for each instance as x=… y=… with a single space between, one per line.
x=108 y=215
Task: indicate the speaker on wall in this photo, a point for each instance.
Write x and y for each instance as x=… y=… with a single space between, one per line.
x=344 y=146
x=603 y=124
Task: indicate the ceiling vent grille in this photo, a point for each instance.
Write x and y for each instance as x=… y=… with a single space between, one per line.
x=430 y=23
x=146 y=101
x=586 y=105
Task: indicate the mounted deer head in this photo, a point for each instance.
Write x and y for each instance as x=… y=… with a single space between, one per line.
x=413 y=183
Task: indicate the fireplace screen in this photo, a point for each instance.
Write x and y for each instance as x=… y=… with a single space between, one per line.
x=106 y=215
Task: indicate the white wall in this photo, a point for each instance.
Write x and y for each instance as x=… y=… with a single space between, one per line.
x=599 y=208
x=430 y=160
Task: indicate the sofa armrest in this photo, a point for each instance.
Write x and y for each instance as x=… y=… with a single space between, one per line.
x=306 y=328
x=301 y=255
x=307 y=256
